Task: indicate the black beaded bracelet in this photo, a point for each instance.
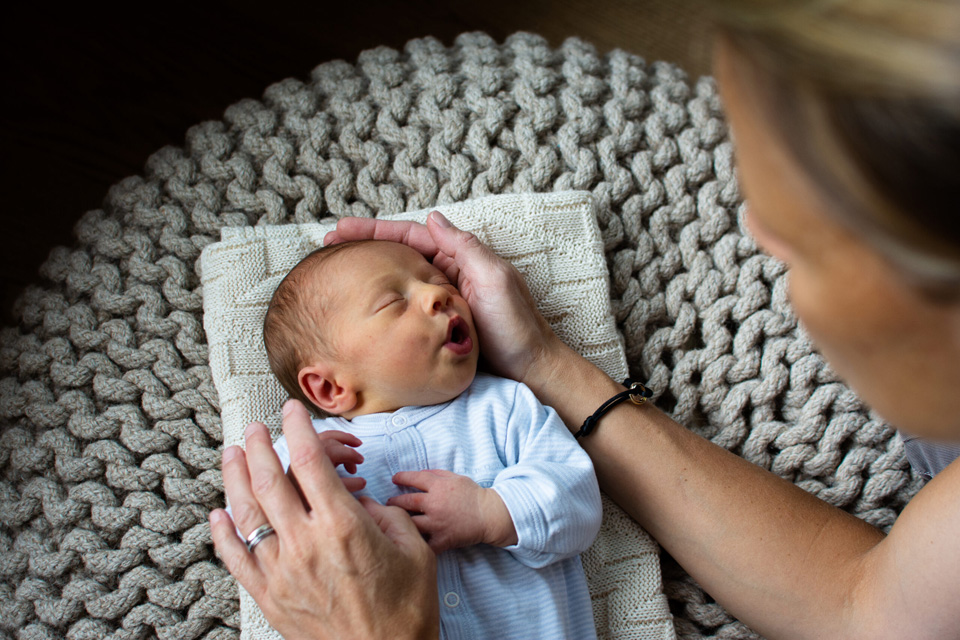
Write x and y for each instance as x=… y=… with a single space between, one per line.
x=636 y=393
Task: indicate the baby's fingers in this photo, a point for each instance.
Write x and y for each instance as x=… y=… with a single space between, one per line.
x=422 y=480
x=340 y=436
x=350 y=484
x=340 y=454
x=437 y=539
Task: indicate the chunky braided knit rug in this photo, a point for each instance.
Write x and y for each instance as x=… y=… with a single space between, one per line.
x=109 y=452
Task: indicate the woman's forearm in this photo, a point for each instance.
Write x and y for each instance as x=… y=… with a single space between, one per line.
x=778 y=558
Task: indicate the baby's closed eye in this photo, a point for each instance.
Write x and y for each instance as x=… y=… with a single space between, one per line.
x=386 y=302
x=443 y=282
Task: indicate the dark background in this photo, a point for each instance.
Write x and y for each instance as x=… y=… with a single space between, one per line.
x=91 y=91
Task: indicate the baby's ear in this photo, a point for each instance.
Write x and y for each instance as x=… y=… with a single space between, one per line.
x=321 y=387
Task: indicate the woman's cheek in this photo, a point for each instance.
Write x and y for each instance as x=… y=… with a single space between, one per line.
x=810 y=303
x=767 y=241
x=829 y=309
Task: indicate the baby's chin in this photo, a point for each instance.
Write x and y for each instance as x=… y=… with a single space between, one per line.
x=448 y=391
x=426 y=396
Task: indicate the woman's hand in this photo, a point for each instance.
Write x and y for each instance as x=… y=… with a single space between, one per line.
x=336 y=567
x=514 y=337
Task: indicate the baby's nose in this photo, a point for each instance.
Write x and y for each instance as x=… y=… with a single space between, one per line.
x=437 y=297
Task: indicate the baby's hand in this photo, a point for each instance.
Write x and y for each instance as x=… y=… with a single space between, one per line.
x=454 y=511
x=338 y=445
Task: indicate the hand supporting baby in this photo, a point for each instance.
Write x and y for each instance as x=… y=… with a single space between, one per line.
x=337 y=567
x=453 y=511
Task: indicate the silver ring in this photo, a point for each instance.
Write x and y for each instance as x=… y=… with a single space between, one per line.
x=257 y=536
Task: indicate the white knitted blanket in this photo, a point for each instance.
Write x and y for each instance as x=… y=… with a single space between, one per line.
x=554 y=241
x=110 y=428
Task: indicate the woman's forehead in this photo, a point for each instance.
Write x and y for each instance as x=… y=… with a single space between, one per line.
x=782 y=196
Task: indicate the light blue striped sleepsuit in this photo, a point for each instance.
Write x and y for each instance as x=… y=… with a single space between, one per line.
x=498 y=434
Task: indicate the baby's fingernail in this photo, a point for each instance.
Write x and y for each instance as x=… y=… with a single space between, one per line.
x=250 y=429
x=287 y=408
x=230 y=453
x=441 y=221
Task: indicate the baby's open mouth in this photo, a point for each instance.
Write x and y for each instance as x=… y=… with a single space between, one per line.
x=458 y=336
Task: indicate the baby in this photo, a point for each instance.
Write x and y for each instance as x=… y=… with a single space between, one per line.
x=373 y=335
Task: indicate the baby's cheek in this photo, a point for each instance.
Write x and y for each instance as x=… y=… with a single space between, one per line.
x=403 y=353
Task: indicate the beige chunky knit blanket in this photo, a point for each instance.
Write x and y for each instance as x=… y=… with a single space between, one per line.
x=111 y=432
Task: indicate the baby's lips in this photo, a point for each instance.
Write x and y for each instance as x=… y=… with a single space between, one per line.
x=461 y=348
x=458 y=324
x=464 y=344
x=451 y=325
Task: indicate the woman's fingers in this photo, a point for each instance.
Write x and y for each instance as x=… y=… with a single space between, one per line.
x=511 y=329
x=353 y=484
x=448 y=266
x=271 y=487
x=335 y=571
x=396 y=524
x=233 y=551
x=460 y=246
x=319 y=482
x=513 y=334
x=409 y=233
x=350 y=484
x=247 y=514
x=410 y=502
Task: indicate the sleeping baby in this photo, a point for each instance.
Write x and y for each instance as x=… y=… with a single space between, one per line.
x=375 y=338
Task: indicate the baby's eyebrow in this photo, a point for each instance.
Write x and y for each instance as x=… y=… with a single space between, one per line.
x=430 y=270
x=377 y=287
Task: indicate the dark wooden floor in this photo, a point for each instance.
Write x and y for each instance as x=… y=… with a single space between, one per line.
x=92 y=90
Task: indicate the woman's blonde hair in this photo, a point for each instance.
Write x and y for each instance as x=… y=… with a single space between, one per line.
x=866 y=96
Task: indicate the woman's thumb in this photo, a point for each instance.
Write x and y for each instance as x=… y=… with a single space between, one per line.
x=460 y=245
x=395 y=523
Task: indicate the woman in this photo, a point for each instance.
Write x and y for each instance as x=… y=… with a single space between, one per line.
x=847 y=120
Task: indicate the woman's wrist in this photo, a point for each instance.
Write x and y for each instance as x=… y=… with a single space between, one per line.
x=569 y=383
x=551 y=356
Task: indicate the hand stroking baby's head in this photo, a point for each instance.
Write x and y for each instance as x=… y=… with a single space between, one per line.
x=369 y=327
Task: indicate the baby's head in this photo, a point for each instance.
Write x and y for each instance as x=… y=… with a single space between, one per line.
x=367 y=327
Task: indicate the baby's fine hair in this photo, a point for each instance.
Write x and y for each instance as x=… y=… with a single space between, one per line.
x=293 y=326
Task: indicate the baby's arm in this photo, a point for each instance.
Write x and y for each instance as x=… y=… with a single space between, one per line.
x=544 y=507
x=453 y=511
x=549 y=486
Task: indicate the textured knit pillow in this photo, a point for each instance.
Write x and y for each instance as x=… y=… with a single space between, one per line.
x=553 y=239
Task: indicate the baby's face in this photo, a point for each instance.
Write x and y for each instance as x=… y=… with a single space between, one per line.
x=401 y=330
